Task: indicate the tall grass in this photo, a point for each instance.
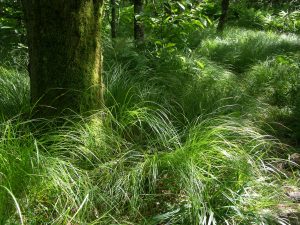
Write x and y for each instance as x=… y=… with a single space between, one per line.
x=14 y=92
x=179 y=141
x=86 y=173
x=239 y=49
x=17 y=156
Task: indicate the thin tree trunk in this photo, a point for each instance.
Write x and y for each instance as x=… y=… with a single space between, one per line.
x=138 y=25
x=65 y=54
x=222 y=20
x=113 y=22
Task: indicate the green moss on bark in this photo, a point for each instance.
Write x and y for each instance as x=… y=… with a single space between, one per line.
x=65 y=54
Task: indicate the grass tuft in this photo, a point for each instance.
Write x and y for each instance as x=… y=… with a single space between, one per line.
x=185 y=138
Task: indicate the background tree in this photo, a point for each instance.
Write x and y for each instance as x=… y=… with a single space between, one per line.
x=222 y=20
x=65 y=54
x=113 y=22
x=138 y=25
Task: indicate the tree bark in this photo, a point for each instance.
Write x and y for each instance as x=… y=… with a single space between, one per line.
x=113 y=22
x=138 y=25
x=65 y=54
x=222 y=20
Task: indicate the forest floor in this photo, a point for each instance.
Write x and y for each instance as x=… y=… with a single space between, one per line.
x=204 y=134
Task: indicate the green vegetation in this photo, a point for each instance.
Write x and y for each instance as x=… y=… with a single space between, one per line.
x=195 y=128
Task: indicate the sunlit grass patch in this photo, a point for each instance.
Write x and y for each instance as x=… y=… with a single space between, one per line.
x=238 y=49
x=14 y=92
x=89 y=171
x=17 y=166
x=275 y=84
x=179 y=141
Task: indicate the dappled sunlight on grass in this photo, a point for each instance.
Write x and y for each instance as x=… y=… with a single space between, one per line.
x=185 y=138
x=239 y=49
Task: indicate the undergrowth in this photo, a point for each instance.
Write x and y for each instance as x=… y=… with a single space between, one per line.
x=187 y=137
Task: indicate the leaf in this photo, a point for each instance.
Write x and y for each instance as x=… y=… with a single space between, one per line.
x=282 y=60
x=198 y=23
x=158 y=43
x=208 y=20
x=167 y=19
x=6 y=27
x=182 y=7
x=165 y=216
x=137 y=16
x=170 y=45
x=200 y=64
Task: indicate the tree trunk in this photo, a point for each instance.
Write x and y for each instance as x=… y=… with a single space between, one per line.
x=113 y=22
x=222 y=20
x=65 y=54
x=138 y=25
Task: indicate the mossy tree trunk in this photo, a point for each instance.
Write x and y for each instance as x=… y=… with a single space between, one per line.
x=65 y=54
x=222 y=20
x=138 y=24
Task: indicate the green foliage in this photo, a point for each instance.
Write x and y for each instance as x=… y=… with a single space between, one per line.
x=276 y=82
x=86 y=172
x=185 y=137
x=239 y=49
x=165 y=22
x=17 y=157
x=176 y=22
x=11 y=26
x=14 y=92
x=282 y=16
x=276 y=79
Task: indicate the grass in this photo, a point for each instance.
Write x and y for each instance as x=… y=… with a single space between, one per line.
x=87 y=174
x=276 y=83
x=239 y=49
x=185 y=138
x=14 y=92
